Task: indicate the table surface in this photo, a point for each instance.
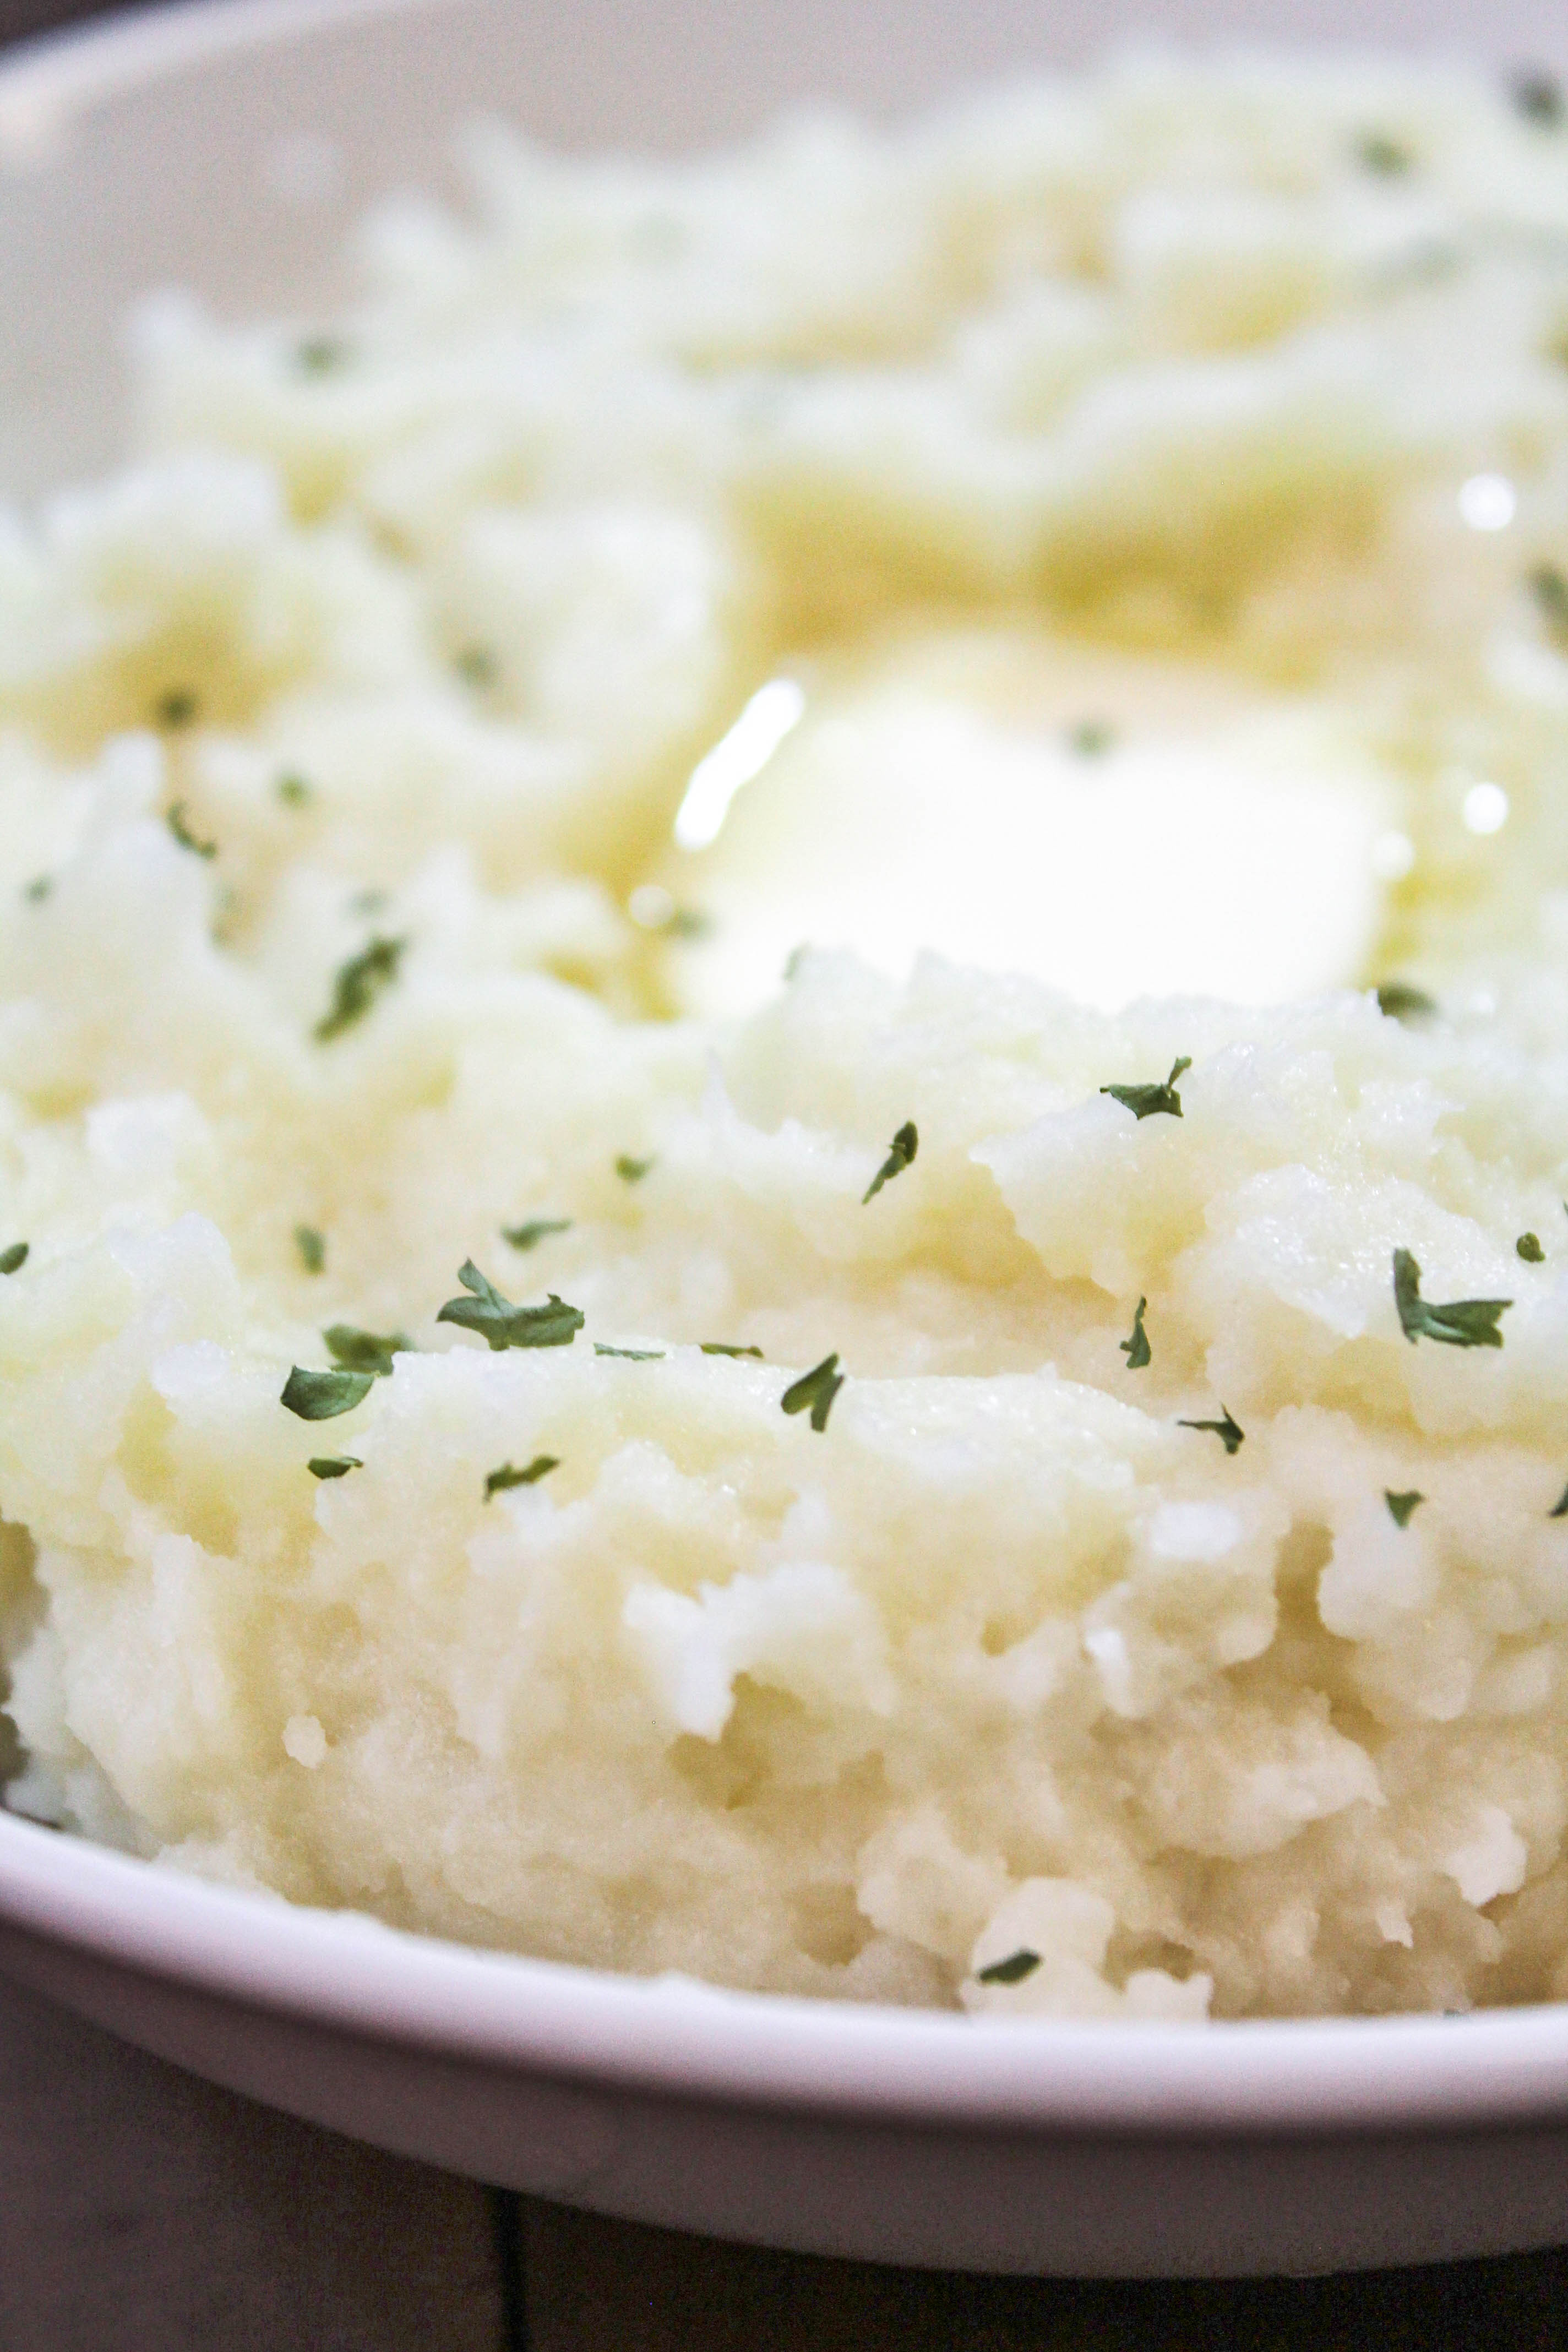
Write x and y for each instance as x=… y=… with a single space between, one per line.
x=144 y=2212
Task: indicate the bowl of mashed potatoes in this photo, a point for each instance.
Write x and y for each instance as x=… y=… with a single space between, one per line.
x=784 y=1228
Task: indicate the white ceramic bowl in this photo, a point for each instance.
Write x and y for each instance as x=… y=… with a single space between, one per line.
x=229 y=147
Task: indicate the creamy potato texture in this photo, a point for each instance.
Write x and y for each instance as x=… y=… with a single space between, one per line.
x=1090 y=570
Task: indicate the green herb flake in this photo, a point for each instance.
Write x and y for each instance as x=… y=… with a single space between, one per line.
x=1091 y=739
x=177 y=707
x=1136 y=1348
x=356 y=986
x=1230 y=1435
x=14 y=1259
x=1548 y=587
x=527 y=1236
x=354 y=1350
x=294 y=791
x=630 y=1170
x=539 y=1467
x=333 y=1465
x=900 y=1155
x=1527 y=1248
x=632 y=1355
x=1397 y=1000
x=501 y=1325
x=1010 y=1971
x=1538 y=97
x=319 y=354
x=38 y=890
x=322 y=1396
x=1463 y=1323
x=1144 y=1101
x=1400 y=1506
x=723 y=1347
x=476 y=665
x=1376 y=152
x=687 y=923
x=175 y=820
x=313 y=1248
x=815 y=1390
x=1560 y=1510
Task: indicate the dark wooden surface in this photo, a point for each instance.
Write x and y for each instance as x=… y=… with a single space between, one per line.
x=143 y=2211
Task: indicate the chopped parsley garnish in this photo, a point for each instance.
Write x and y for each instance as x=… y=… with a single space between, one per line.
x=527 y=1236
x=900 y=1155
x=182 y=832
x=1527 y=1248
x=476 y=665
x=354 y=1350
x=1400 y=1506
x=1537 y=96
x=1463 y=1323
x=723 y=1347
x=1548 y=587
x=14 y=1259
x=38 y=890
x=1229 y=1434
x=632 y=1355
x=501 y=1325
x=333 y=1465
x=814 y=1391
x=294 y=791
x=177 y=707
x=1012 y=1970
x=356 y=986
x=687 y=923
x=319 y=354
x=322 y=1396
x=313 y=1248
x=1136 y=1348
x=1144 y=1101
x=1560 y=1510
x=1399 y=1001
x=539 y=1467
x=1090 y=738
x=630 y=1170
x=1376 y=152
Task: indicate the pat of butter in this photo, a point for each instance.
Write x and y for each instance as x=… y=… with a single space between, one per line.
x=1114 y=824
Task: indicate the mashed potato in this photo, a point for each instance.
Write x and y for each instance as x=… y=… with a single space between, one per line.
x=1151 y=1597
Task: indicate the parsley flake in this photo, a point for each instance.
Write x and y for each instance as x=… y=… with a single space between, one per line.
x=1527 y=1248
x=1012 y=1970
x=815 y=1390
x=1376 y=152
x=319 y=354
x=333 y=1465
x=1548 y=587
x=539 y=1467
x=313 y=1248
x=632 y=1355
x=175 y=820
x=294 y=791
x=1090 y=738
x=1537 y=96
x=630 y=1170
x=1400 y=1506
x=1463 y=1323
x=177 y=707
x=1144 y=1101
x=354 y=1350
x=322 y=1396
x=476 y=665
x=501 y=1325
x=1397 y=1000
x=356 y=986
x=38 y=890
x=1560 y=1510
x=1136 y=1348
x=1230 y=1435
x=529 y=1237
x=900 y=1155
x=14 y=1259
x=723 y=1347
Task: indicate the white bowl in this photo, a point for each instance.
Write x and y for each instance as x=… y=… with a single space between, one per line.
x=230 y=147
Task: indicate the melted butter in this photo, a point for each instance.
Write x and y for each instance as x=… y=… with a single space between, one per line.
x=1114 y=824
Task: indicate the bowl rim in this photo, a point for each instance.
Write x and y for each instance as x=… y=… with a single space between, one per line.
x=673 y=2036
